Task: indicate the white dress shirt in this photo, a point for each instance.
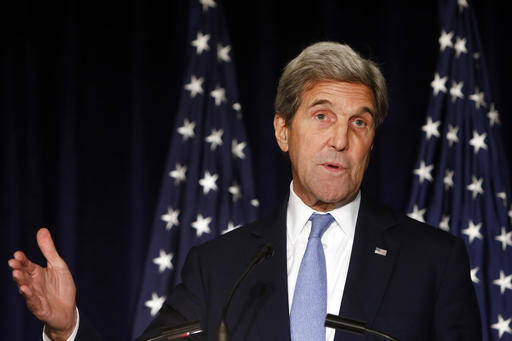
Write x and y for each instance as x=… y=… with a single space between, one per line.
x=337 y=242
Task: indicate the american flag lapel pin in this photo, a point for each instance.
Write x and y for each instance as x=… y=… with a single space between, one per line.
x=380 y=251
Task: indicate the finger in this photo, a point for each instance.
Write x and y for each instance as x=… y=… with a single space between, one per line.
x=25 y=291
x=34 y=302
x=20 y=277
x=14 y=264
x=25 y=263
x=45 y=242
x=19 y=255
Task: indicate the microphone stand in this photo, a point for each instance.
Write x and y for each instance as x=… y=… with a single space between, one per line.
x=265 y=251
x=358 y=327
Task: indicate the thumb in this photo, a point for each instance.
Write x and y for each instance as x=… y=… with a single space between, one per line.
x=45 y=242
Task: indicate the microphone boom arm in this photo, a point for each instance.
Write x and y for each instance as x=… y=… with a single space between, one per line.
x=358 y=327
x=265 y=251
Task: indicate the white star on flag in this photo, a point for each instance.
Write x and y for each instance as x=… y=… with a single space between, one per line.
x=223 y=53
x=502 y=326
x=431 y=128
x=236 y=191
x=195 y=86
x=444 y=224
x=478 y=98
x=493 y=116
x=448 y=179
x=417 y=214
x=424 y=171
x=438 y=84
x=201 y=42
x=201 y=225
x=208 y=182
x=215 y=138
x=178 y=173
x=462 y=4
x=502 y=196
x=155 y=303
x=474 y=277
x=505 y=238
x=460 y=46
x=238 y=108
x=230 y=227
x=238 y=149
x=219 y=94
x=476 y=186
x=255 y=202
x=163 y=261
x=456 y=90
x=451 y=135
x=478 y=141
x=207 y=4
x=473 y=231
x=171 y=218
x=504 y=282
x=187 y=130
x=445 y=40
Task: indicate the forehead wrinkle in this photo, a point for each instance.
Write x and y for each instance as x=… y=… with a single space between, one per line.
x=359 y=111
x=321 y=101
x=316 y=98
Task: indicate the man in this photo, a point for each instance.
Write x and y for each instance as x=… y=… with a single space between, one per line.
x=336 y=251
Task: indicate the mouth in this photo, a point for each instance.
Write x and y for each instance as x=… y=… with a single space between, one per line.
x=333 y=167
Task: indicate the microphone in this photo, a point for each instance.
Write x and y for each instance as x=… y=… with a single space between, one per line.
x=264 y=252
x=178 y=332
x=354 y=326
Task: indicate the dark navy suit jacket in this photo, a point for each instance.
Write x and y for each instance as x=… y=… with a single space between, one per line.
x=420 y=290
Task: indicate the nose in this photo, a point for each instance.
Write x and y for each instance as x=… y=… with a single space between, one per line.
x=339 y=136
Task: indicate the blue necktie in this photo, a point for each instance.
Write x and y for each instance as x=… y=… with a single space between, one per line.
x=309 y=306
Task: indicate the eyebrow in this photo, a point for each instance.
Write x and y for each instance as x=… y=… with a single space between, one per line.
x=320 y=102
x=361 y=111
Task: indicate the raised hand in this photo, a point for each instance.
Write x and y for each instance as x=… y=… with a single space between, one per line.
x=49 y=292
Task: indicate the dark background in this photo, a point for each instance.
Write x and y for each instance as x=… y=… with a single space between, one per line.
x=88 y=92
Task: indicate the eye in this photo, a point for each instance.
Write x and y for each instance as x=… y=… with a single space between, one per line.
x=321 y=117
x=359 y=122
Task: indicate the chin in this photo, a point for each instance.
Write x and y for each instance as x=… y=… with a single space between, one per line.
x=333 y=198
x=338 y=193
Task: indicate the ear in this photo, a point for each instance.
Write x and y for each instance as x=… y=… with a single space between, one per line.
x=281 y=131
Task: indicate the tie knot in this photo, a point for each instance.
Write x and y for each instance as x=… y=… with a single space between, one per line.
x=319 y=224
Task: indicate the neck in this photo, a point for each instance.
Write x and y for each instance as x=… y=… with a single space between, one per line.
x=322 y=206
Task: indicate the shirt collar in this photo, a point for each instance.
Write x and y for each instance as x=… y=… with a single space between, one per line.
x=298 y=214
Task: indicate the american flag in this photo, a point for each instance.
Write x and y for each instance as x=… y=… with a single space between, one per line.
x=461 y=180
x=208 y=183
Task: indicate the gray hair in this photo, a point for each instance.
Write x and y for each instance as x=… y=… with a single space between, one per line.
x=328 y=61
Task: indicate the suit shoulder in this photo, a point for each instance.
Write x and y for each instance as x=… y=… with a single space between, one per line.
x=406 y=228
x=422 y=230
x=423 y=239
x=419 y=243
x=240 y=236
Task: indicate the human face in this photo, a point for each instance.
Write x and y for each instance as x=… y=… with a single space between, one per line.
x=329 y=142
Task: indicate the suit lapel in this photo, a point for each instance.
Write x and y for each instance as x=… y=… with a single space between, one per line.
x=369 y=272
x=273 y=319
